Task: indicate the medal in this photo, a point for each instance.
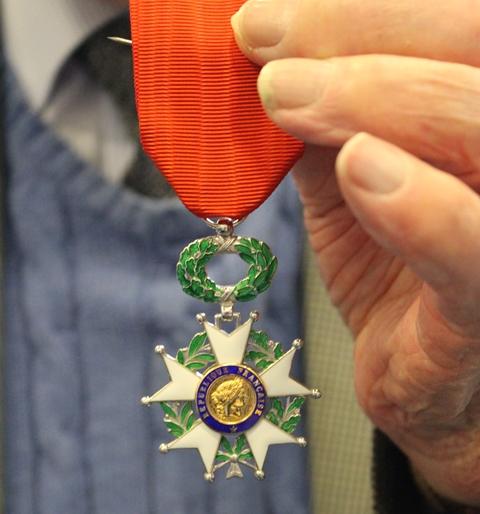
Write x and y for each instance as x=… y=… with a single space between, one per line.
x=230 y=394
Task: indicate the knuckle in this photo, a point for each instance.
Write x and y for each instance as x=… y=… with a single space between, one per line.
x=448 y=116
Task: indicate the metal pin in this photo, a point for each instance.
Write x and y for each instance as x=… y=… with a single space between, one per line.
x=120 y=40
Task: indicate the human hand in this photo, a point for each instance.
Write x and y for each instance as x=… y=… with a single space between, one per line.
x=396 y=239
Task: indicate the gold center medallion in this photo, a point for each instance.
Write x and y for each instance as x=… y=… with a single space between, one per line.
x=231 y=399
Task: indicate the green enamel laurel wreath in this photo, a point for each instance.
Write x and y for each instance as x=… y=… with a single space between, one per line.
x=192 y=274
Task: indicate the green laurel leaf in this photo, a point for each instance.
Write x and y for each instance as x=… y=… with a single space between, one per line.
x=205 y=357
x=195 y=366
x=262 y=268
x=252 y=355
x=290 y=425
x=247 y=258
x=243 y=248
x=204 y=245
x=225 y=445
x=196 y=343
x=186 y=409
x=255 y=243
x=263 y=364
x=240 y=444
x=278 y=351
x=221 y=457
x=190 y=422
x=197 y=355
x=191 y=270
x=296 y=404
x=244 y=294
x=262 y=262
x=181 y=357
x=260 y=338
x=174 y=429
x=248 y=455
x=285 y=413
x=273 y=418
x=278 y=407
x=168 y=411
x=272 y=268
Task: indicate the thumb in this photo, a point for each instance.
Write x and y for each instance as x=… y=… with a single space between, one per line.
x=428 y=218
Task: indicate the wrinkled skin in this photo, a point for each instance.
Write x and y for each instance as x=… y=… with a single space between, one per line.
x=394 y=219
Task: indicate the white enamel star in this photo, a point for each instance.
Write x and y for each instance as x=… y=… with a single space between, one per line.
x=229 y=349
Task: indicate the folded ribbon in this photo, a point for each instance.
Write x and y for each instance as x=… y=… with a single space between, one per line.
x=201 y=120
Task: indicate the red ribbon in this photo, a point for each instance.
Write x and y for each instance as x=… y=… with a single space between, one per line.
x=201 y=120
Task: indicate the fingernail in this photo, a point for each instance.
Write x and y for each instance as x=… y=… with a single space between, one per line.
x=263 y=23
x=292 y=83
x=372 y=165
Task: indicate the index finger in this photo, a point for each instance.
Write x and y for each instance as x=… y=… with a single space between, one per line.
x=445 y=30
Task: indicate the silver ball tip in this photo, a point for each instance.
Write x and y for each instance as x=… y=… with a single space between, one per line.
x=255 y=315
x=259 y=474
x=302 y=442
x=201 y=318
x=297 y=344
x=209 y=477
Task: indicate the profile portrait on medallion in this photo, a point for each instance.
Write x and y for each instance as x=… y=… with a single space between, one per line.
x=230 y=398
